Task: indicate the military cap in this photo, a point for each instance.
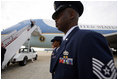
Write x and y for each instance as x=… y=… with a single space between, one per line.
x=61 y=5
x=57 y=38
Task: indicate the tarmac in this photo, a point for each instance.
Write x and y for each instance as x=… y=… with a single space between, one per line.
x=38 y=69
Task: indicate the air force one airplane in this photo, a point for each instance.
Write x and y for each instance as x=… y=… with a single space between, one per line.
x=48 y=32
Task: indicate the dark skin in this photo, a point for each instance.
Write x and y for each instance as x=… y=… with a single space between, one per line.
x=66 y=19
x=55 y=44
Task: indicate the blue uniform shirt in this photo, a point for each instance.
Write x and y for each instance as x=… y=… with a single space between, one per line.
x=83 y=54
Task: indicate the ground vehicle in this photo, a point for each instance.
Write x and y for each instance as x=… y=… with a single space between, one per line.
x=24 y=55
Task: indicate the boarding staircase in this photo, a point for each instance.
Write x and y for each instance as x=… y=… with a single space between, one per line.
x=13 y=41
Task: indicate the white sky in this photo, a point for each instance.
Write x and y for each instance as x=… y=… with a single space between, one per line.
x=96 y=12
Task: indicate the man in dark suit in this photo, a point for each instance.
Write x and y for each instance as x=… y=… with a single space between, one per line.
x=83 y=54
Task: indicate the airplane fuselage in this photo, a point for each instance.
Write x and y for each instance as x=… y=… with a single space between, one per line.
x=48 y=32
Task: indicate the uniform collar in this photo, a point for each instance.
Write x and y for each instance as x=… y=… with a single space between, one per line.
x=56 y=48
x=69 y=31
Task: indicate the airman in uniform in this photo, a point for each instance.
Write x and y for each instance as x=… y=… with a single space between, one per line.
x=56 y=42
x=83 y=54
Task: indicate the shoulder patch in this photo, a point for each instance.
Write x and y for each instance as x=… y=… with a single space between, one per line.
x=104 y=71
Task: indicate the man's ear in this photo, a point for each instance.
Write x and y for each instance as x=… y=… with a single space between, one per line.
x=72 y=14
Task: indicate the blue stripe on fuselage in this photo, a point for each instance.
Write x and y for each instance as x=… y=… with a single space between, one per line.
x=45 y=28
x=39 y=22
x=16 y=27
x=104 y=31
